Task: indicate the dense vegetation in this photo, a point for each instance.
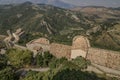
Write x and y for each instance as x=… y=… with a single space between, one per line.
x=3 y=61
x=12 y=63
x=19 y=58
x=43 y=60
x=7 y=74
x=62 y=69
x=2 y=44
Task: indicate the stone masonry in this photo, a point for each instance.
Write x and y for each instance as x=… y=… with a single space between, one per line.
x=105 y=58
x=38 y=45
x=80 y=47
x=60 y=50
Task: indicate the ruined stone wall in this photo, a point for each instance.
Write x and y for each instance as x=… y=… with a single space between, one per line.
x=40 y=41
x=80 y=42
x=80 y=47
x=38 y=45
x=60 y=50
x=77 y=52
x=103 y=57
x=44 y=47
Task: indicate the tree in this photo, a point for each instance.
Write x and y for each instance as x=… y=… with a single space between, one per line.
x=31 y=75
x=7 y=74
x=47 y=58
x=44 y=60
x=19 y=58
x=73 y=74
x=40 y=60
x=3 y=61
x=81 y=62
x=55 y=63
x=2 y=44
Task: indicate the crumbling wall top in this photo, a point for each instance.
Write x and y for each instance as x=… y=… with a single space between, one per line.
x=40 y=41
x=80 y=42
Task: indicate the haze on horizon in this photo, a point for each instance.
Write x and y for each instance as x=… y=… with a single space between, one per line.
x=106 y=3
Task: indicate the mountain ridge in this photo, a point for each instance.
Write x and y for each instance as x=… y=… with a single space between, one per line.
x=61 y=25
x=106 y=3
x=57 y=3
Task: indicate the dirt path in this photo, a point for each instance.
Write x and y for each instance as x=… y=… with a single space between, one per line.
x=101 y=69
x=37 y=69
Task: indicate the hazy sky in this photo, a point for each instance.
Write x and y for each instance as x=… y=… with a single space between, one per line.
x=107 y=3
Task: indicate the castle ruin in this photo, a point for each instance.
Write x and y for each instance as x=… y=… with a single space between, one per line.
x=80 y=47
x=39 y=45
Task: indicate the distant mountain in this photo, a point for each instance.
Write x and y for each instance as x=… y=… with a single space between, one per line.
x=101 y=25
x=57 y=3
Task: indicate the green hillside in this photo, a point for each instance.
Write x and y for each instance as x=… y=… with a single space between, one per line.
x=61 y=25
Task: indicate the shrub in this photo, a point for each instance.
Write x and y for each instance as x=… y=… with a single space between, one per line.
x=19 y=58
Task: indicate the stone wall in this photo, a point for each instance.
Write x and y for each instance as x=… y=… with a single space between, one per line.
x=80 y=47
x=77 y=52
x=60 y=50
x=105 y=58
x=38 y=45
x=40 y=41
x=80 y=42
x=32 y=47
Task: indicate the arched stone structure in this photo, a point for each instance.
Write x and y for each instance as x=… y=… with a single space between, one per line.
x=39 y=45
x=40 y=41
x=80 y=46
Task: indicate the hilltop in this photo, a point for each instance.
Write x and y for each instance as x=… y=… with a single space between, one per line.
x=100 y=24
